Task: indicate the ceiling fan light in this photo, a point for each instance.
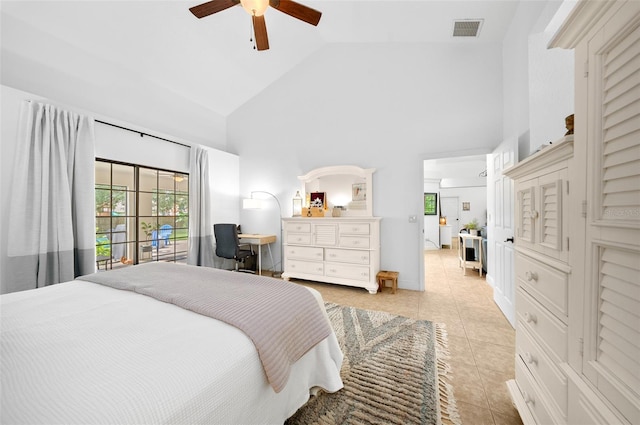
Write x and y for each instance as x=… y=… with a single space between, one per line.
x=255 y=7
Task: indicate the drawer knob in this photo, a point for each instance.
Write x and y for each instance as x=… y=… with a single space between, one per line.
x=530 y=276
x=530 y=318
x=530 y=359
x=356 y=242
x=534 y=214
x=528 y=398
x=332 y=270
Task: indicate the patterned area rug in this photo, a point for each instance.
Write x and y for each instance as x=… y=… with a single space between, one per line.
x=394 y=372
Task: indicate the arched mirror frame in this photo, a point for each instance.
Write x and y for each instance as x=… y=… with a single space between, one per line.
x=346 y=177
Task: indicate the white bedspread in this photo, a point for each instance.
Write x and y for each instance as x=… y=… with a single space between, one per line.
x=79 y=352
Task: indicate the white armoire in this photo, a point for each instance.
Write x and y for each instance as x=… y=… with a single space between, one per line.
x=578 y=237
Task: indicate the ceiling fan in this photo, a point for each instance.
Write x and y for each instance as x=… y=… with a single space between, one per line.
x=256 y=9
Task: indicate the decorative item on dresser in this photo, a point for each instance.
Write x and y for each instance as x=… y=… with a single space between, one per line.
x=343 y=249
x=578 y=214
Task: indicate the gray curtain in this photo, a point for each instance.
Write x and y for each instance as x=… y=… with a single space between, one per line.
x=51 y=219
x=200 y=222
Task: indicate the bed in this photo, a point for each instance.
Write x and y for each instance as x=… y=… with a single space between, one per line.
x=85 y=352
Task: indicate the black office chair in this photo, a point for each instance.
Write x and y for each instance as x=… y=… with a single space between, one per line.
x=228 y=245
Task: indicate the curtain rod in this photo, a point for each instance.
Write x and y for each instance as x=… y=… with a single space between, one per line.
x=141 y=133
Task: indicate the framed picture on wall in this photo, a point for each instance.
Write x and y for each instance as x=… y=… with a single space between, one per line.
x=466 y=206
x=430 y=203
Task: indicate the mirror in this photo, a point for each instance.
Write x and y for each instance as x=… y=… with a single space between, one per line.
x=346 y=187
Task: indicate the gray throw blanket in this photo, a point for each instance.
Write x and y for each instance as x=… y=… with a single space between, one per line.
x=283 y=320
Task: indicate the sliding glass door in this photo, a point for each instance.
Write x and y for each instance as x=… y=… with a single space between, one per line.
x=142 y=214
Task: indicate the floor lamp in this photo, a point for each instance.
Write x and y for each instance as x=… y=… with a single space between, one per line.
x=253 y=203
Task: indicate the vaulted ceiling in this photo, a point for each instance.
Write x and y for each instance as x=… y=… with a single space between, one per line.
x=211 y=60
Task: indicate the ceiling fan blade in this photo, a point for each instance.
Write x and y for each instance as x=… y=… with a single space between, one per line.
x=260 y=32
x=211 y=7
x=297 y=10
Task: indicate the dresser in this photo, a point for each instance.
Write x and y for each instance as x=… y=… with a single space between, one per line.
x=342 y=250
x=542 y=197
x=578 y=237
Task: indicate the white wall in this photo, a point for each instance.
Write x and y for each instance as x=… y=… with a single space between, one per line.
x=99 y=85
x=385 y=106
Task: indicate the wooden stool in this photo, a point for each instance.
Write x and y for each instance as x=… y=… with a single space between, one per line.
x=387 y=275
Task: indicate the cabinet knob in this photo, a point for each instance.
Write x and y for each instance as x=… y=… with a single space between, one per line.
x=356 y=242
x=534 y=214
x=530 y=318
x=529 y=358
x=528 y=398
x=531 y=276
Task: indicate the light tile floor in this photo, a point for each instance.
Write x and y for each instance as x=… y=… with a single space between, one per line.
x=481 y=340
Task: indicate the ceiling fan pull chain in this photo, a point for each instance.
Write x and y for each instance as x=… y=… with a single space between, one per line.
x=251 y=38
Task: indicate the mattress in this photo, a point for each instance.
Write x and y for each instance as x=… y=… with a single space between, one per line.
x=83 y=353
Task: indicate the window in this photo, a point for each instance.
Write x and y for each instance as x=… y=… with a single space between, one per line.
x=142 y=214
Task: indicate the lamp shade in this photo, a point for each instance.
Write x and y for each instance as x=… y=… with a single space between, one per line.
x=255 y=7
x=251 y=204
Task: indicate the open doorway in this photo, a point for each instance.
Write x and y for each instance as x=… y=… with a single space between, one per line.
x=461 y=187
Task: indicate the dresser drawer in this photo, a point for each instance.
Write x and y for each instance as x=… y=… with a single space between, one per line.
x=299 y=238
x=544 y=283
x=354 y=242
x=347 y=256
x=354 y=228
x=347 y=271
x=550 y=332
x=304 y=253
x=544 y=370
x=298 y=227
x=533 y=397
x=308 y=267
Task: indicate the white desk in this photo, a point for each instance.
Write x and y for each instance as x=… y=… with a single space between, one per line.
x=258 y=240
x=462 y=252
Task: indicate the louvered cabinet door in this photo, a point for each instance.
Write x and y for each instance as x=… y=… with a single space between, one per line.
x=551 y=214
x=526 y=213
x=611 y=361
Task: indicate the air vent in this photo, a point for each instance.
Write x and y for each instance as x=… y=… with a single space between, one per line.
x=467 y=27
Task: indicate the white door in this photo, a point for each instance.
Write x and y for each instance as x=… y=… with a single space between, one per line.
x=449 y=209
x=500 y=215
